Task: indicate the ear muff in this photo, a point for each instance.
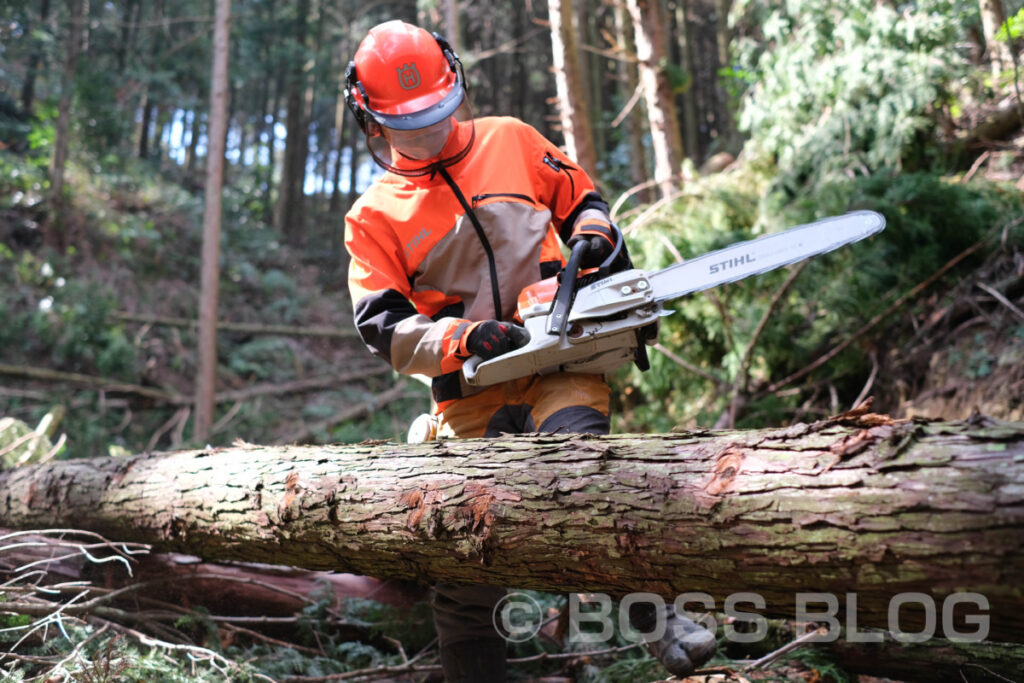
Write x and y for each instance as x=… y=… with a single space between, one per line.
x=351 y=84
x=454 y=63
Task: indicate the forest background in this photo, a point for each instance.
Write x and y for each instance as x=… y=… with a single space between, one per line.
x=703 y=121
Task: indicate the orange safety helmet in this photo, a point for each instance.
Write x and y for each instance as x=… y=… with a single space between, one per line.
x=403 y=78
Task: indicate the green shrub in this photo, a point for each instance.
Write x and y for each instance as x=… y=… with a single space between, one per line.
x=929 y=221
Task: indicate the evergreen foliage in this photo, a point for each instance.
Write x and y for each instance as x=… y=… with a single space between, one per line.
x=850 y=88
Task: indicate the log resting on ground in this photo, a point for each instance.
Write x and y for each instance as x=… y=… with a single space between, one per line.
x=856 y=504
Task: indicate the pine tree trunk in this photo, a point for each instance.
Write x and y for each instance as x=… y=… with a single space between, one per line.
x=727 y=133
x=661 y=110
x=452 y=25
x=992 y=19
x=193 y=143
x=690 y=122
x=341 y=114
x=291 y=199
x=572 y=104
x=28 y=87
x=857 y=504
x=54 y=233
x=207 y=371
x=638 y=170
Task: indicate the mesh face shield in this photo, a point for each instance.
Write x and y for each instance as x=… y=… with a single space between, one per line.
x=407 y=90
x=419 y=151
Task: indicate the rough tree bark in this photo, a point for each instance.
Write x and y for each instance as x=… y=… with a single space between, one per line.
x=857 y=504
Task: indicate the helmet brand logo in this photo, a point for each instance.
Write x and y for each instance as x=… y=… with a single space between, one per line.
x=408 y=76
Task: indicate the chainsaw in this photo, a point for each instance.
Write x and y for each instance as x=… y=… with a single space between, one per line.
x=599 y=320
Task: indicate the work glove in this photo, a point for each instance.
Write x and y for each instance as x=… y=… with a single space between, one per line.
x=490 y=338
x=601 y=236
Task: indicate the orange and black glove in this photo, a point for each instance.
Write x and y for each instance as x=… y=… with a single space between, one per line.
x=601 y=236
x=490 y=338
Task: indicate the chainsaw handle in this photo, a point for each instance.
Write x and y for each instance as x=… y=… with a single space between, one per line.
x=568 y=283
x=605 y=269
x=566 y=289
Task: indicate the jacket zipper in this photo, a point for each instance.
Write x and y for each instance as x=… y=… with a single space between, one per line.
x=481 y=197
x=559 y=165
x=492 y=264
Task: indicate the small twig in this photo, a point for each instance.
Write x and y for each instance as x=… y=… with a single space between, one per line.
x=78 y=648
x=806 y=638
x=273 y=641
x=398 y=645
x=628 y=107
x=721 y=383
x=671 y=247
x=869 y=383
x=53 y=451
x=178 y=435
x=646 y=185
x=556 y=656
x=222 y=423
x=244 y=328
x=164 y=428
x=988 y=670
x=1002 y=299
x=190 y=650
x=395 y=393
x=975 y=166
x=17 y=442
x=102 y=383
x=372 y=672
x=652 y=210
x=742 y=380
x=123 y=550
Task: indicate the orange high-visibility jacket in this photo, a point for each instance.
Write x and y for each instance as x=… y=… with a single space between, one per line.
x=433 y=253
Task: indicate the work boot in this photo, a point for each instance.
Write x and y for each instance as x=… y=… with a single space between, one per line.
x=474 y=661
x=685 y=644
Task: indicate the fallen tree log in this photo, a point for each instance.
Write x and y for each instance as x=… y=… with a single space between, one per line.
x=860 y=505
x=934 y=661
x=239 y=589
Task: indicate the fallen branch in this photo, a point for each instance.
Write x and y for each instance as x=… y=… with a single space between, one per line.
x=1002 y=299
x=113 y=386
x=868 y=326
x=105 y=383
x=310 y=432
x=742 y=381
x=243 y=328
x=795 y=644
